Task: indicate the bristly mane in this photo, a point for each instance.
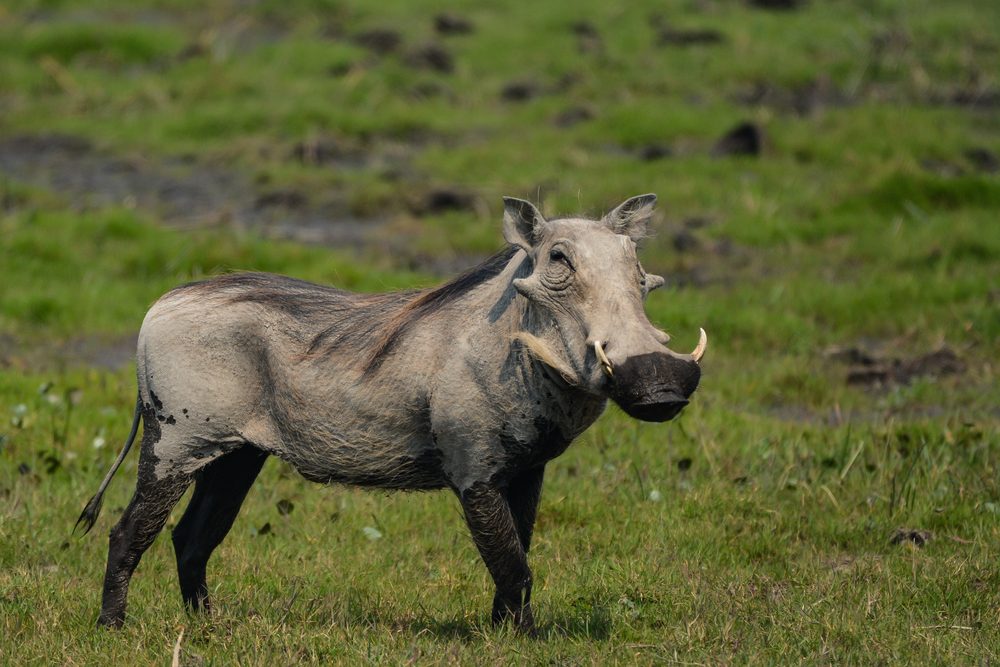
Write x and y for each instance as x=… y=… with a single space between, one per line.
x=433 y=300
x=424 y=303
x=374 y=323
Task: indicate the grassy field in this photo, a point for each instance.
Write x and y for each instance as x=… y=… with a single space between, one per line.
x=832 y=494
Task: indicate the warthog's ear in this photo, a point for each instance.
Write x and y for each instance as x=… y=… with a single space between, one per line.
x=631 y=217
x=652 y=282
x=522 y=223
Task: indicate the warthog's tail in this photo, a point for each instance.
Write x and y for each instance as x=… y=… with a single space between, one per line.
x=89 y=515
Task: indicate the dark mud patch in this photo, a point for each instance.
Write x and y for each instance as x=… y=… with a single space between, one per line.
x=670 y=36
x=977 y=99
x=107 y=352
x=433 y=57
x=588 y=39
x=520 y=91
x=868 y=369
x=439 y=200
x=652 y=152
x=775 y=5
x=181 y=192
x=802 y=99
x=983 y=160
x=380 y=41
x=746 y=139
x=453 y=24
x=573 y=116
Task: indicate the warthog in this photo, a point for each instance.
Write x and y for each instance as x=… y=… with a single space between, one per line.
x=472 y=386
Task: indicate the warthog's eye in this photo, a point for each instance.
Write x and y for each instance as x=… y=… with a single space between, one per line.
x=557 y=255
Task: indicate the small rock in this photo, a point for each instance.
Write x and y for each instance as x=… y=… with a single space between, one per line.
x=744 y=139
x=684 y=464
x=911 y=536
x=285 y=507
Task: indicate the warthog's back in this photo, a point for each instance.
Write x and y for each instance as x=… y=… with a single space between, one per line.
x=279 y=363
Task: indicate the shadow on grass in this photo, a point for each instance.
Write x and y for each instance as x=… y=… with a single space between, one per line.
x=589 y=619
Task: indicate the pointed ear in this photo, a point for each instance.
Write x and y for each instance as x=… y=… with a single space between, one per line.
x=631 y=217
x=522 y=223
x=652 y=282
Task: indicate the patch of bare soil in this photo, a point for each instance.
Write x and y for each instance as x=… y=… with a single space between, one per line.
x=432 y=57
x=110 y=353
x=186 y=193
x=667 y=35
x=453 y=24
x=745 y=139
x=804 y=99
x=870 y=370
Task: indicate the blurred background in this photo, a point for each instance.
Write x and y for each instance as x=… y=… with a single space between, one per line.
x=829 y=184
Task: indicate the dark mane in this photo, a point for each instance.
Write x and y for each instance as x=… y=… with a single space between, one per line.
x=433 y=300
x=371 y=322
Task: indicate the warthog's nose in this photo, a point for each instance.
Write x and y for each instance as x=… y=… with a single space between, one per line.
x=654 y=387
x=662 y=408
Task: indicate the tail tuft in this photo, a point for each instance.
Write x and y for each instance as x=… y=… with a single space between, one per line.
x=90 y=513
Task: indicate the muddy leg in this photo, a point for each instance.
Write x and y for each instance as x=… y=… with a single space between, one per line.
x=523 y=495
x=219 y=491
x=496 y=537
x=142 y=521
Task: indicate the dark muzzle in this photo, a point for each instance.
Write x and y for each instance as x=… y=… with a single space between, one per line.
x=654 y=387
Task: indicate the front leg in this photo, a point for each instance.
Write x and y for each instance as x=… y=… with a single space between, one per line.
x=523 y=494
x=496 y=537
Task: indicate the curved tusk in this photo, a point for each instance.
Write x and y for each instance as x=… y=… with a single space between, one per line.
x=603 y=358
x=702 y=344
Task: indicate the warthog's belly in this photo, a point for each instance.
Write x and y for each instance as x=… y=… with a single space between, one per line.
x=371 y=468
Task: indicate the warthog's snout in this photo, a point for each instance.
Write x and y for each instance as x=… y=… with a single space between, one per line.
x=654 y=387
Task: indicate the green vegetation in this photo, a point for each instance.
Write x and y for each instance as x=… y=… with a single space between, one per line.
x=144 y=144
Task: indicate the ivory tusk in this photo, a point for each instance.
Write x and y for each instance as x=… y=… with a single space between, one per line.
x=603 y=358
x=702 y=344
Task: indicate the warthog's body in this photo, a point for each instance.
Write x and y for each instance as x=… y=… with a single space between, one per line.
x=473 y=386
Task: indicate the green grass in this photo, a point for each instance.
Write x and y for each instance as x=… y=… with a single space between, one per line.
x=755 y=529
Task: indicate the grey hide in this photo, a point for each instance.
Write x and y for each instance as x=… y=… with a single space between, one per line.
x=472 y=386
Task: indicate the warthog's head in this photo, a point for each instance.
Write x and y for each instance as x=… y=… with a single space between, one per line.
x=588 y=289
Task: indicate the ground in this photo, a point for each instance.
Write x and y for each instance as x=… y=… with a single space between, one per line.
x=829 y=193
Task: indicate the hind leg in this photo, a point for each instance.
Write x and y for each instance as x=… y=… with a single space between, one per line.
x=142 y=521
x=219 y=491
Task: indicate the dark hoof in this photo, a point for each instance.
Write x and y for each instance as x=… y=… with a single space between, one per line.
x=111 y=622
x=521 y=617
